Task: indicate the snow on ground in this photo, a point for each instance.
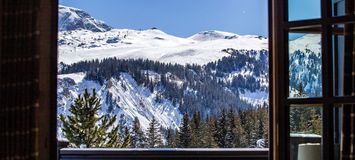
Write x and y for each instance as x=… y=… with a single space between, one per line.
x=77 y=77
x=305 y=135
x=153 y=44
x=308 y=41
x=82 y=37
x=70 y=18
x=257 y=98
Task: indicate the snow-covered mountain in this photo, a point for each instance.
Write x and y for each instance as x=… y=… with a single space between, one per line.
x=152 y=44
x=70 y=18
x=305 y=65
x=119 y=97
x=306 y=43
x=239 y=80
x=82 y=37
x=229 y=70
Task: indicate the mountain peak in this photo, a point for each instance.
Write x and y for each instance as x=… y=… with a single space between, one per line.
x=213 y=35
x=72 y=19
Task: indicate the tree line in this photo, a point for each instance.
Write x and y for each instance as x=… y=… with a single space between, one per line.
x=229 y=129
x=204 y=88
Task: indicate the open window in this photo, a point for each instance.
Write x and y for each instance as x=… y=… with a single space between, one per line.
x=28 y=68
x=199 y=78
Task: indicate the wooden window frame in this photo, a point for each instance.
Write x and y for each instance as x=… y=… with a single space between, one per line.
x=279 y=100
x=48 y=116
x=47 y=112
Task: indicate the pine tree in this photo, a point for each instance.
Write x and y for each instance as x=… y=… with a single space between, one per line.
x=138 y=137
x=196 y=131
x=221 y=130
x=265 y=117
x=85 y=127
x=240 y=139
x=208 y=132
x=123 y=131
x=248 y=121
x=185 y=132
x=316 y=121
x=126 y=141
x=170 y=138
x=262 y=125
x=297 y=119
x=115 y=141
x=153 y=134
x=301 y=92
x=230 y=135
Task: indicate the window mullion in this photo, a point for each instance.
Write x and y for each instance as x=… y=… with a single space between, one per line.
x=327 y=82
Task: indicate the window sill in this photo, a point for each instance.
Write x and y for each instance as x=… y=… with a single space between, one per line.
x=164 y=153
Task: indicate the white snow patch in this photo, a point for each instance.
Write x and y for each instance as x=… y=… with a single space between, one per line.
x=152 y=44
x=256 y=98
x=77 y=77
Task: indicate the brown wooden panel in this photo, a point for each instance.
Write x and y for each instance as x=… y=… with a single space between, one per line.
x=27 y=79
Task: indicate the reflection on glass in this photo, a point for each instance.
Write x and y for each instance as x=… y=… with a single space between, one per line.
x=344 y=68
x=343 y=7
x=338 y=7
x=337 y=115
x=305 y=132
x=303 y=9
x=343 y=130
x=305 y=76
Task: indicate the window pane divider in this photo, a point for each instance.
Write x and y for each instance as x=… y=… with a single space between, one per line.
x=321 y=100
x=314 y=22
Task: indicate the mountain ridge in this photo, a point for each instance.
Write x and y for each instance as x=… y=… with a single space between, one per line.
x=70 y=18
x=78 y=42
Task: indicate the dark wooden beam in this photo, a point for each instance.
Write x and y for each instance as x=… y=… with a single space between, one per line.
x=278 y=49
x=47 y=108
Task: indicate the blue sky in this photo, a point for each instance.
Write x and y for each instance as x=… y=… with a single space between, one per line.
x=303 y=9
x=180 y=17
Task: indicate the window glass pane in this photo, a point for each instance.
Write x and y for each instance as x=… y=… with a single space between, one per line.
x=338 y=7
x=305 y=76
x=305 y=132
x=303 y=9
x=343 y=128
x=343 y=7
x=344 y=59
x=337 y=121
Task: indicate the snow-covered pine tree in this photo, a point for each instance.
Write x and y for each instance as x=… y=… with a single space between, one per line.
x=230 y=135
x=121 y=126
x=185 y=132
x=138 y=139
x=123 y=131
x=85 y=127
x=154 y=138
